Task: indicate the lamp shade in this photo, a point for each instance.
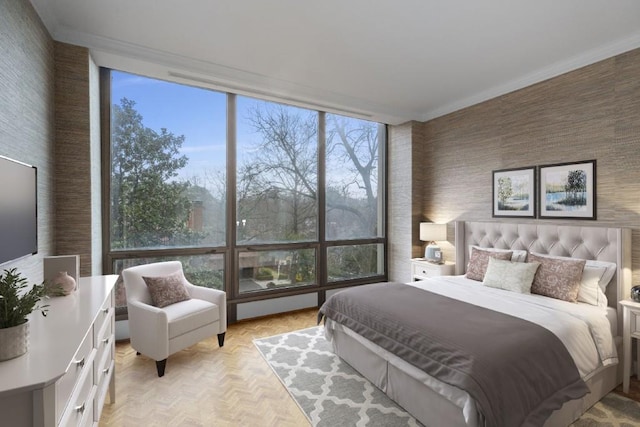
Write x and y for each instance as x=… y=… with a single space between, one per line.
x=430 y=232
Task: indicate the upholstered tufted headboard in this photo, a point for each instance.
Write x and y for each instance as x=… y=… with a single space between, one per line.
x=586 y=242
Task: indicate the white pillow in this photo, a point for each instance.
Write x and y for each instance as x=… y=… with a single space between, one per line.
x=510 y=276
x=610 y=271
x=595 y=278
x=518 y=255
x=590 y=291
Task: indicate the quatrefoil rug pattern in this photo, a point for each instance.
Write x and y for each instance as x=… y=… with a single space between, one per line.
x=328 y=390
x=332 y=393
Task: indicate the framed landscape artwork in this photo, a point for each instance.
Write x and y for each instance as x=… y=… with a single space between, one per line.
x=514 y=192
x=568 y=190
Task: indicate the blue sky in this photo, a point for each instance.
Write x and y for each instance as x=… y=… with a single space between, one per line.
x=198 y=114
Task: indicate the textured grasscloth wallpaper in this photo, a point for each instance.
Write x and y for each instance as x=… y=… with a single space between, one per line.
x=49 y=119
x=590 y=113
x=26 y=113
x=77 y=180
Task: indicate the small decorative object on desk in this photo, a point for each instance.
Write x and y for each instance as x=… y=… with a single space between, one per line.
x=66 y=283
x=635 y=293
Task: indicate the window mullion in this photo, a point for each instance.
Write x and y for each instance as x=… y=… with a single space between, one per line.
x=321 y=199
x=232 y=283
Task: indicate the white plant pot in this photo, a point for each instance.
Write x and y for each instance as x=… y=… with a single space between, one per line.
x=14 y=341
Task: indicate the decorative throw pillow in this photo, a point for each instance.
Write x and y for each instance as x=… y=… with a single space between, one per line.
x=518 y=255
x=510 y=276
x=595 y=278
x=610 y=268
x=557 y=278
x=480 y=259
x=167 y=290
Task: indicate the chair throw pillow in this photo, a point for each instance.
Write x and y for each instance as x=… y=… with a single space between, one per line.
x=167 y=290
x=557 y=278
x=480 y=259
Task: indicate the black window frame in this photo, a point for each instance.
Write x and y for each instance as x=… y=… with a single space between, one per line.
x=232 y=250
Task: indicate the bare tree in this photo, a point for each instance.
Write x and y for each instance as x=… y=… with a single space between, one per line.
x=280 y=178
x=353 y=149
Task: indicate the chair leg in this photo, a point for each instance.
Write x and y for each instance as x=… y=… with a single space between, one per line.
x=221 y=339
x=160 y=365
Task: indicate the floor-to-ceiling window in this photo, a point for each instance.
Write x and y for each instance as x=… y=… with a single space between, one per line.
x=255 y=197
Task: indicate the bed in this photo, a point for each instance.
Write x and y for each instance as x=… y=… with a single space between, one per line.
x=437 y=403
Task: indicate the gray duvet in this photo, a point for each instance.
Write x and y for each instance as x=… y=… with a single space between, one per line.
x=517 y=372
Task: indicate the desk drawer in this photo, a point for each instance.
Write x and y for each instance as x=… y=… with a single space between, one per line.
x=104 y=337
x=88 y=417
x=80 y=405
x=105 y=375
x=105 y=316
x=104 y=357
x=425 y=271
x=83 y=359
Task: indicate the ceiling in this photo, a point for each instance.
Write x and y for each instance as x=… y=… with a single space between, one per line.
x=388 y=61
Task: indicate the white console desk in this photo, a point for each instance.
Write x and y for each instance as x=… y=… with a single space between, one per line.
x=64 y=378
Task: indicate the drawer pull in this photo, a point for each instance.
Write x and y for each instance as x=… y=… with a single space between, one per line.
x=105 y=310
x=80 y=408
x=106 y=370
x=80 y=362
x=106 y=341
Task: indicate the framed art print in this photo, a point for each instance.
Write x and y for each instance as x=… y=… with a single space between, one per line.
x=514 y=192
x=568 y=190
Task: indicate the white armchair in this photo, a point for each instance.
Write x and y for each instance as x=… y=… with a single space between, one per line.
x=159 y=332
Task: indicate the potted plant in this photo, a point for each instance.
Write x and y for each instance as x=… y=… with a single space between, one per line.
x=16 y=303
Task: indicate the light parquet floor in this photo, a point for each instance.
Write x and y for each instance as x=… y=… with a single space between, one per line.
x=206 y=385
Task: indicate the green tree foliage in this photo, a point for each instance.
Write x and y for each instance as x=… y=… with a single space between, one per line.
x=505 y=190
x=576 y=188
x=348 y=262
x=150 y=208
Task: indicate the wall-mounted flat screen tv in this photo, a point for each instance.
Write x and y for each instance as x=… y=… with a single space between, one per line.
x=18 y=210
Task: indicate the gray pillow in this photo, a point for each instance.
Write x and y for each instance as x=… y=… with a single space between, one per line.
x=557 y=278
x=478 y=262
x=167 y=290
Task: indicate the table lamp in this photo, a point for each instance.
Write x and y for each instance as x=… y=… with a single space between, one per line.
x=430 y=232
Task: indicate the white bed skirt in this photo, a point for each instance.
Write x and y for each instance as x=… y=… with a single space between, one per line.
x=407 y=387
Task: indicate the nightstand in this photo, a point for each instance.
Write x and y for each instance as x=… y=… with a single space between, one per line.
x=422 y=269
x=631 y=318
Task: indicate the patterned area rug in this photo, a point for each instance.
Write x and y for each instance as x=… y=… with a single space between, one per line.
x=613 y=410
x=331 y=393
